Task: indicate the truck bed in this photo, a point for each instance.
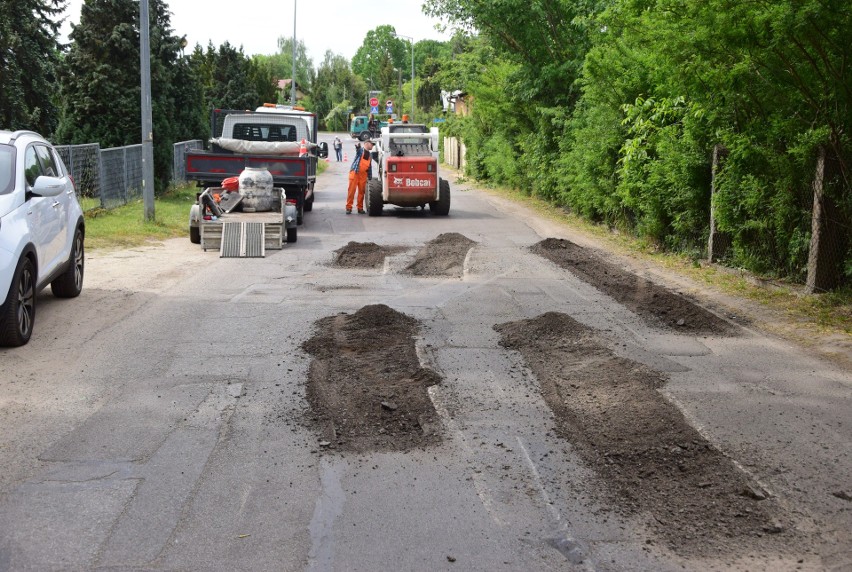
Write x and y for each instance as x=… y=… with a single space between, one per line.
x=211 y=167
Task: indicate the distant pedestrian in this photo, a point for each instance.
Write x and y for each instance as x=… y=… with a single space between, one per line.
x=359 y=173
x=338 y=148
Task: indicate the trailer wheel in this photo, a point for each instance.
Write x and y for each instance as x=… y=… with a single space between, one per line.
x=194 y=229
x=374 y=197
x=441 y=207
x=292 y=234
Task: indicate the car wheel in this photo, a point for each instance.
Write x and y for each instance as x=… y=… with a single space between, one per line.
x=375 y=202
x=16 y=325
x=70 y=283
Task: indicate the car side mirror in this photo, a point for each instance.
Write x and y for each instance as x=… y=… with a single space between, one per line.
x=45 y=186
x=322 y=153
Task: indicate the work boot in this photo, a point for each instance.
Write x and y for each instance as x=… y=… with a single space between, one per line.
x=348 y=211
x=362 y=211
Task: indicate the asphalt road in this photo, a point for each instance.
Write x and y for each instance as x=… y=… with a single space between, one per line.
x=157 y=422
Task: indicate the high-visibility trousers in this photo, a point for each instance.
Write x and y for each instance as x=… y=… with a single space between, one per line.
x=357 y=181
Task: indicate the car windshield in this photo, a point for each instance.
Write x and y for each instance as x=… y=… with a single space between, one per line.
x=7 y=168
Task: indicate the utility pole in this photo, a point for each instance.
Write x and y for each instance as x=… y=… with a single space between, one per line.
x=293 y=79
x=147 y=128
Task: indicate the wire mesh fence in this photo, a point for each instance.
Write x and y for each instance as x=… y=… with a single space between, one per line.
x=121 y=175
x=83 y=161
x=109 y=178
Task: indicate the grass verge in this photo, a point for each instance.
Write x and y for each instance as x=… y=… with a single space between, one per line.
x=125 y=226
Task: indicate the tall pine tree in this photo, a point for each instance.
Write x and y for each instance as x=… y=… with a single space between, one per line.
x=29 y=52
x=100 y=82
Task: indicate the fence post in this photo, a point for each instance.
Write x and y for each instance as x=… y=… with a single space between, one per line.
x=719 y=242
x=827 y=247
x=124 y=168
x=177 y=155
x=101 y=178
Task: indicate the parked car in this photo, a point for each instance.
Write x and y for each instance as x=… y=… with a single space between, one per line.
x=41 y=231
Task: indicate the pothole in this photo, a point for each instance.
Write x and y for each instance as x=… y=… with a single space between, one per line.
x=442 y=256
x=649 y=458
x=366 y=388
x=655 y=304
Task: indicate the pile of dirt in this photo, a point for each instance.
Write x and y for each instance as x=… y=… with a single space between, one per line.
x=649 y=458
x=653 y=303
x=363 y=255
x=366 y=388
x=442 y=256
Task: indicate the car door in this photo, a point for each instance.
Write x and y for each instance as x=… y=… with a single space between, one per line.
x=42 y=216
x=61 y=242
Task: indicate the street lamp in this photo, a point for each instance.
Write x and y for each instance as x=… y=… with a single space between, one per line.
x=399 y=86
x=412 y=70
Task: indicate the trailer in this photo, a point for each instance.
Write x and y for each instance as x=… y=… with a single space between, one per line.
x=219 y=221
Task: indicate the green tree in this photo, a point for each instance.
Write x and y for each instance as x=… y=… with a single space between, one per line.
x=613 y=107
x=335 y=84
x=99 y=81
x=29 y=53
x=380 y=53
x=263 y=79
x=227 y=77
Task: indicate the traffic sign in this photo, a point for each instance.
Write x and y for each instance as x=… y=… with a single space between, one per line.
x=374 y=102
x=389 y=109
x=374 y=109
x=389 y=103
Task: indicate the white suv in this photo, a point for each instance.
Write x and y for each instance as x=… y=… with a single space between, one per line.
x=41 y=231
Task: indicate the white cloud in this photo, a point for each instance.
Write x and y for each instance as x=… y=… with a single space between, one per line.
x=336 y=25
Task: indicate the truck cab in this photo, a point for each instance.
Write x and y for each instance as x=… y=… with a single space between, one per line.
x=360 y=128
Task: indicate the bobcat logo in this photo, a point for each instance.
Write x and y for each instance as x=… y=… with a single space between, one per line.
x=397 y=181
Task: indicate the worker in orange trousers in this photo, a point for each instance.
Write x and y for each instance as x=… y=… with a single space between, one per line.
x=360 y=171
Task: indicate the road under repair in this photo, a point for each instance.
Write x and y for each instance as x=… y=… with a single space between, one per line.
x=484 y=391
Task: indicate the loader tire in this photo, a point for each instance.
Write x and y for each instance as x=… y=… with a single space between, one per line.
x=375 y=203
x=441 y=207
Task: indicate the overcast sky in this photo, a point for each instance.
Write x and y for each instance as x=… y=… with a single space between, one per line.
x=336 y=25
